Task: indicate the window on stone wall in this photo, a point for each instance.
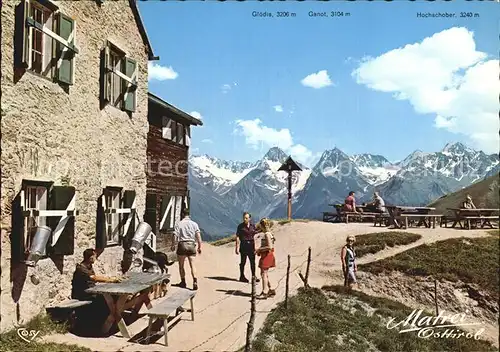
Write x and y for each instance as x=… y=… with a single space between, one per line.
x=119 y=78
x=113 y=220
x=35 y=198
x=45 y=40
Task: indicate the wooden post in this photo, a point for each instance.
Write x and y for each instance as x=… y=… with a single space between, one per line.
x=287 y=282
x=307 y=268
x=289 y=195
x=435 y=296
x=248 y=345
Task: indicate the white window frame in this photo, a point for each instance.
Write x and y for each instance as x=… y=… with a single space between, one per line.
x=169 y=133
x=113 y=229
x=47 y=50
x=35 y=198
x=116 y=75
x=115 y=79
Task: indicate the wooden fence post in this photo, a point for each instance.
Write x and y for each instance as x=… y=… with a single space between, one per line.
x=307 y=268
x=248 y=345
x=436 y=296
x=287 y=282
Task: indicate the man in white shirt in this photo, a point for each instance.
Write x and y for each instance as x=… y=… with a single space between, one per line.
x=186 y=235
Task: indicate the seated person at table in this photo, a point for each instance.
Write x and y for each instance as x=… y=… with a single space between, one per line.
x=468 y=204
x=350 y=203
x=377 y=205
x=84 y=277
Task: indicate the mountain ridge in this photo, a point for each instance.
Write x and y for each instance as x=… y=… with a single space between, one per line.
x=227 y=188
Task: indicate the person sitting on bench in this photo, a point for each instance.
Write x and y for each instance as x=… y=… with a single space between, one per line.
x=84 y=277
x=468 y=203
x=377 y=205
x=350 y=203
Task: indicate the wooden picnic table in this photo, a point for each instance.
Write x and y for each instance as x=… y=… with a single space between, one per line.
x=133 y=291
x=480 y=215
x=396 y=212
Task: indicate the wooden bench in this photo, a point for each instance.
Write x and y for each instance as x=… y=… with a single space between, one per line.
x=422 y=217
x=329 y=216
x=164 y=309
x=484 y=220
x=345 y=215
x=381 y=218
x=65 y=311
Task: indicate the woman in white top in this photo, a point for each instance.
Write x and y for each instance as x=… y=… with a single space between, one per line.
x=267 y=259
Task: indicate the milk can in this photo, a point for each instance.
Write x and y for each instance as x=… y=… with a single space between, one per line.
x=38 y=245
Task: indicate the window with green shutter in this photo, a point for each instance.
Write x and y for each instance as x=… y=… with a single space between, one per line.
x=119 y=78
x=45 y=40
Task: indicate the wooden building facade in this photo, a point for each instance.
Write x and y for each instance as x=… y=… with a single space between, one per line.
x=169 y=139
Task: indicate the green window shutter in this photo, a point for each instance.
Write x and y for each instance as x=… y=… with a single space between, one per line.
x=150 y=215
x=129 y=100
x=128 y=200
x=167 y=211
x=105 y=86
x=21 y=35
x=100 y=238
x=17 y=238
x=59 y=199
x=64 y=56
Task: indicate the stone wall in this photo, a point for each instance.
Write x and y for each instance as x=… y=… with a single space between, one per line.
x=49 y=133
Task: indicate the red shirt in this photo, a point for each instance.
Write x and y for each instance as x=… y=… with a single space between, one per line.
x=350 y=202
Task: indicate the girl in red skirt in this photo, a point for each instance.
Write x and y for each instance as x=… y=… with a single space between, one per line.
x=267 y=259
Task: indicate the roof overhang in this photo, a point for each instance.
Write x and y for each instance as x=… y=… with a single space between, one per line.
x=142 y=30
x=176 y=111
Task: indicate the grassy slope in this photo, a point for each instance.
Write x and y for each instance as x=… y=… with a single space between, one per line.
x=314 y=322
x=10 y=341
x=375 y=242
x=469 y=260
x=484 y=194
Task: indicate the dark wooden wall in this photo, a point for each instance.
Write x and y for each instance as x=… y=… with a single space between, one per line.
x=173 y=179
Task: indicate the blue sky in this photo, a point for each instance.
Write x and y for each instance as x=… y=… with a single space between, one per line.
x=364 y=95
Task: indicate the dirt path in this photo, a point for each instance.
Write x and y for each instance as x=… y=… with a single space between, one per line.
x=222 y=303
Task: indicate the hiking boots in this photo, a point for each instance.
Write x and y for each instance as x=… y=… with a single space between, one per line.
x=244 y=279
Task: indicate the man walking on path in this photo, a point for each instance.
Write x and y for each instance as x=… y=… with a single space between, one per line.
x=245 y=245
x=186 y=235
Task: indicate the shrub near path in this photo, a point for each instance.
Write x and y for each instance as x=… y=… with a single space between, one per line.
x=470 y=260
x=333 y=321
x=375 y=242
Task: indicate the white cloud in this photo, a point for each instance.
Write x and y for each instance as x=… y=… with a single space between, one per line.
x=317 y=80
x=226 y=88
x=207 y=141
x=278 y=108
x=446 y=76
x=196 y=115
x=258 y=136
x=160 y=73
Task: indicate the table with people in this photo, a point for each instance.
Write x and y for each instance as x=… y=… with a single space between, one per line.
x=111 y=296
x=350 y=209
x=468 y=216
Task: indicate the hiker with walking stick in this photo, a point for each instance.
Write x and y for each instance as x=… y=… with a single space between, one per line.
x=349 y=267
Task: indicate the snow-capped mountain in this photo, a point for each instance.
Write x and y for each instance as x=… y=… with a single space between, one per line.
x=218 y=175
x=375 y=168
x=264 y=187
x=224 y=189
x=456 y=161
